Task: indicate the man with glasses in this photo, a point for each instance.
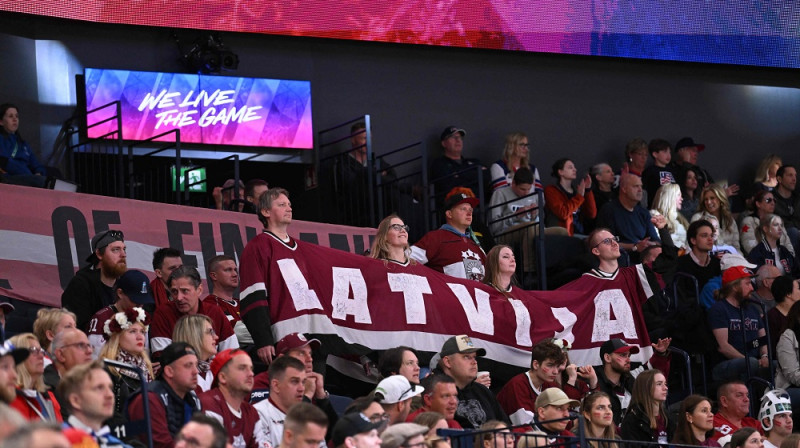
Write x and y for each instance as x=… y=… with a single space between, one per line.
x=70 y=348
x=762 y=293
x=394 y=393
x=132 y=290
x=286 y=378
x=441 y=395
x=92 y=288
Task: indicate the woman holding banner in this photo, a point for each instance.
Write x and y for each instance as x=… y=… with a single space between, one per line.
x=391 y=242
x=500 y=268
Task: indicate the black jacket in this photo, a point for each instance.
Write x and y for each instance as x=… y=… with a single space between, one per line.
x=85 y=295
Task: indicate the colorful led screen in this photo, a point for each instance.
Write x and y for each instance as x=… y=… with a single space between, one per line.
x=746 y=32
x=218 y=110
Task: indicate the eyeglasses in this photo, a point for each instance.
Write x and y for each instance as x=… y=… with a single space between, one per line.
x=524 y=144
x=769 y=200
x=607 y=241
x=415 y=445
x=400 y=227
x=81 y=345
x=210 y=332
x=36 y=351
x=375 y=418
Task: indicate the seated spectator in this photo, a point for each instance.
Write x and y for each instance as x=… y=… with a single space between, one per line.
x=165 y=261
x=511 y=207
x=762 y=293
x=708 y=295
x=400 y=360
x=89 y=401
x=596 y=410
x=516 y=155
x=699 y=262
x=787 y=375
x=441 y=397
x=171 y=396
x=286 y=377
x=132 y=291
x=38 y=435
x=763 y=204
x=500 y=268
x=695 y=422
x=745 y=438
x=355 y=430
x=647 y=419
x=453 y=249
x=603 y=187
x=576 y=381
x=786 y=292
x=687 y=152
x=552 y=412
x=225 y=198
x=635 y=157
x=449 y=170
x=775 y=416
x=18 y=163
x=734 y=405
x=201 y=428
x=518 y=396
x=787 y=201
x=197 y=330
x=403 y=435
x=305 y=426
x=714 y=203
x=127 y=335
x=666 y=202
x=626 y=218
x=252 y=192
x=33 y=400
x=49 y=322
x=567 y=206
x=690 y=191
x=70 y=348
x=5 y=309
x=431 y=420
x=496 y=434
x=767 y=173
x=394 y=393
x=92 y=288
x=770 y=250
x=186 y=289
x=477 y=404
x=658 y=174
x=391 y=242
x=10 y=358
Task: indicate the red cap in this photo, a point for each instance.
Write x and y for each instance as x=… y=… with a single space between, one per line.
x=295 y=340
x=735 y=273
x=221 y=359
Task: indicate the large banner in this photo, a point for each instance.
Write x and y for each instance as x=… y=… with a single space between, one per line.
x=46 y=235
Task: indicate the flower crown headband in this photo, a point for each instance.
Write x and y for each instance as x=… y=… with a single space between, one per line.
x=123 y=320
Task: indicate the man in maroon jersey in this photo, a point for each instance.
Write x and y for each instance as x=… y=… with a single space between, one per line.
x=223 y=279
x=132 y=290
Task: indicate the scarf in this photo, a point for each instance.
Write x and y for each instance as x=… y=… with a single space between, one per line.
x=136 y=361
x=202 y=367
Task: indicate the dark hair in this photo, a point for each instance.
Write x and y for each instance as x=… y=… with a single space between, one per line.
x=658 y=145
x=220 y=436
x=545 y=349
x=523 y=176
x=559 y=165
x=357 y=127
x=683 y=431
x=779 y=173
x=680 y=176
x=430 y=382
x=694 y=227
x=782 y=287
x=759 y=197
x=280 y=364
x=793 y=319
x=215 y=261
x=360 y=404
x=265 y=202
x=739 y=438
x=160 y=254
x=185 y=271
x=642 y=396
x=3 y=109
x=391 y=360
x=303 y=413
x=251 y=185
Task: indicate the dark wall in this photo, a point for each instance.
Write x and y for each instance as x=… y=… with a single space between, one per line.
x=582 y=107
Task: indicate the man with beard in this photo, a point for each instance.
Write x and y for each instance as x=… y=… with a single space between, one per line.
x=88 y=396
x=227 y=401
x=92 y=288
x=10 y=356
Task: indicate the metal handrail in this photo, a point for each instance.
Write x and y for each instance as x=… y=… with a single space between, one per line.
x=145 y=398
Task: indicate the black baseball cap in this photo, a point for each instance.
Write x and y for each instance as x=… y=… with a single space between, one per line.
x=102 y=240
x=617 y=345
x=174 y=352
x=451 y=130
x=19 y=354
x=352 y=424
x=136 y=285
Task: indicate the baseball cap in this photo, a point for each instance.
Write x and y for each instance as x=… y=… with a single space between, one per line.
x=19 y=354
x=617 y=345
x=352 y=424
x=7 y=307
x=174 y=352
x=395 y=389
x=222 y=358
x=450 y=130
x=460 y=344
x=730 y=260
x=460 y=195
x=102 y=240
x=555 y=397
x=400 y=433
x=136 y=285
x=735 y=273
x=295 y=340
x=686 y=142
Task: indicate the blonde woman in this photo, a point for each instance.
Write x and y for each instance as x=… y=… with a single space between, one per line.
x=714 y=202
x=516 y=154
x=198 y=331
x=667 y=202
x=33 y=400
x=391 y=242
x=127 y=334
x=49 y=322
x=766 y=173
x=596 y=409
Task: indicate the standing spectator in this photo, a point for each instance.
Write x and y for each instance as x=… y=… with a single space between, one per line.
x=770 y=250
x=775 y=415
x=687 y=179
x=500 y=268
x=253 y=190
x=695 y=422
x=667 y=202
x=786 y=292
x=92 y=289
x=448 y=171
x=767 y=173
x=197 y=330
x=626 y=218
x=763 y=204
x=596 y=409
x=132 y=291
x=787 y=201
x=646 y=420
x=33 y=400
x=225 y=198
x=714 y=203
x=171 y=395
x=567 y=206
x=787 y=376
x=165 y=261
x=734 y=405
x=18 y=163
x=516 y=155
x=10 y=357
x=659 y=173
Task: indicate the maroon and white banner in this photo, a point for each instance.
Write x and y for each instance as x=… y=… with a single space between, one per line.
x=46 y=235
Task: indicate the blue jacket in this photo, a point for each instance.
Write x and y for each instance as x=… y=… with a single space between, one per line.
x=16 y=156
x=762 y=254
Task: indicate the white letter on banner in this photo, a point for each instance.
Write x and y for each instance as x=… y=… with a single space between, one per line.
x=523 y=316
x=481 y=318
x=412 y=287
x=343 y=280
x=567 y=320
x=604 y=326
x=303 y=298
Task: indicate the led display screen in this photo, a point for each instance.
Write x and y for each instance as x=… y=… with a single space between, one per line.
x=747 y=32
x=218 y=110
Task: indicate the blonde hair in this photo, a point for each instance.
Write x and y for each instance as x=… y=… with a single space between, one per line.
x=725 y=218
x=765 y=223
x=666 y=203
x=762 y=172
x=642 y=395
x=111 y=350
x=24 y=378
x=608 y=431
x=380 y=246
x=189 y=329
x=48 y=319
x=512 y=140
